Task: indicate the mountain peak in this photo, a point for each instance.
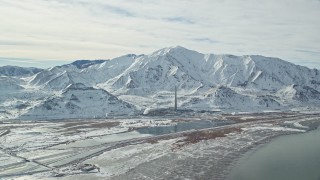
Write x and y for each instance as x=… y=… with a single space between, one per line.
x=180 y=49
x=80 y=64
x=132 y=55
x=77 y=86
x=174 y=49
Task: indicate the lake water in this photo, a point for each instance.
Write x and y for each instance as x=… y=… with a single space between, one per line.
x=183 y=126
x=292 y=157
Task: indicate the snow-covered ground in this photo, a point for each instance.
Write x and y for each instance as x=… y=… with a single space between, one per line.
x=112 y=149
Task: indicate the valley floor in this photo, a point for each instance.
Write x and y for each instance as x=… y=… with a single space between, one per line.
x=203 y=146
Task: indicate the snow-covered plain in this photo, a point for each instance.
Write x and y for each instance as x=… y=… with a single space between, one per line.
x=112 y=149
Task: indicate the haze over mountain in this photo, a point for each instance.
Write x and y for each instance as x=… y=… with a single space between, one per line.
x=130 y=84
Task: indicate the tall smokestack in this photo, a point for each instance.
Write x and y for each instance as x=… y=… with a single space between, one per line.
x=175 y=98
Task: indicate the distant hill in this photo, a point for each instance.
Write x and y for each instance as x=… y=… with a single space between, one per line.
x=18 y=71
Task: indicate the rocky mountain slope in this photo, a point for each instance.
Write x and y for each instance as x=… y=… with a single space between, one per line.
x=76 y=101
x=204 y=81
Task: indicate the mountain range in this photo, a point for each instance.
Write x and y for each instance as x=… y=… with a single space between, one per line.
x=130 y=84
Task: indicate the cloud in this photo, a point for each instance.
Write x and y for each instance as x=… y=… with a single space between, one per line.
x=180 y=20
x=208 y=40
x=14 y=43
x=117 y=10
x=308 y=51
x=97 y=29
x=95 y=7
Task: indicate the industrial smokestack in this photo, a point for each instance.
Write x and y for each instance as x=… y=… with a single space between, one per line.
x=175 y=99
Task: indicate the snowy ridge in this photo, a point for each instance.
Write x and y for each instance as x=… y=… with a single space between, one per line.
x=80 y=101
x=204 y=82
x=18 y=71
x=226 y=99
x=304 y=94
x=9 y=84
x=60 y=77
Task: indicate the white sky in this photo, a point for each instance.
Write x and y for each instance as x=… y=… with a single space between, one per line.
x=44 y=33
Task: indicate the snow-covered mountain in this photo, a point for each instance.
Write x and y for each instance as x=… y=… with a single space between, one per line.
x=8 y=83
x=204 y=82
x=300 y=94
x=90 y=74
x=79 y=101
x=191 y=70
x=225 y=99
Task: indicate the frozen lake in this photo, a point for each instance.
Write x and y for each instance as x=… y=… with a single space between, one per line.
x=183 y=126
x=292 y=157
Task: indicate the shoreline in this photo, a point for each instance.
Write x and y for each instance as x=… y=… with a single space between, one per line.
x=252 y=149
x=261 y=144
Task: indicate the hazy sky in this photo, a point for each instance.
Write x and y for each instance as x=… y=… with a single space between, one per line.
x=44 y=33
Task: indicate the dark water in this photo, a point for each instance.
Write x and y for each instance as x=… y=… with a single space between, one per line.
x=292 y=157
x=183 y=126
